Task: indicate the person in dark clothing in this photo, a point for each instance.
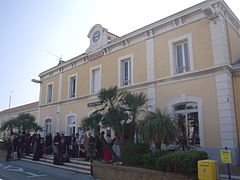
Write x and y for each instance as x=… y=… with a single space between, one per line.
x=57 y=138
x=9 y=149
x=16 y=145
x=27 y=143
x=91 y=148
x=48 y=143
x=42 y=147
x=36 y=147
x=74 y=147
x=99 y=145
x=22 y=143
x=58 y=156
x=33 y=137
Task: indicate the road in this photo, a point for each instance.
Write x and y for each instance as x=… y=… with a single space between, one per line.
x=23 y=170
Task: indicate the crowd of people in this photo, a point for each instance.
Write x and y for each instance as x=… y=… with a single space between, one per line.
x=63 y=147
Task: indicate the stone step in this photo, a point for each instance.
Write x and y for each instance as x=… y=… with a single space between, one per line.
x=58 y=166
x=74 y=165
x=72 y=160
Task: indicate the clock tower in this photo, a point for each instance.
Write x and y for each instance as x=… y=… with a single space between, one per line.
x=99 y=37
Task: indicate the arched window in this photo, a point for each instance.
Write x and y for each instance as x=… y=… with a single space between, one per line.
x=71 y=121
x=188 y=123
x=48 y=126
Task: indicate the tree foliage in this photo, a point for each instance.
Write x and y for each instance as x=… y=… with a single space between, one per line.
x=158 y=127
x=134 y=104
x=23 y=122
x=119 y=106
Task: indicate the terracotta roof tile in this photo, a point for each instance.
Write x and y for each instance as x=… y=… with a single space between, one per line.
x=20 y=108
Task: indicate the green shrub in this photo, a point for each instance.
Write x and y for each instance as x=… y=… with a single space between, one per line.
x=184 y=162
x=132 y=153
x=2 y=145
x=150 y=158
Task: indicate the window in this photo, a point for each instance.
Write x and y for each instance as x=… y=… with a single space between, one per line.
x=95 y=80
x=182 y=57
x=49 y=93
x=48 y=126
x=72 y=87
x=188 y=123
x=71 y=125
x=181 y=54
x=125 y=72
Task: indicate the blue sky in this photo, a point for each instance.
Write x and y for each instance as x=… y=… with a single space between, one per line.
x=30 y=28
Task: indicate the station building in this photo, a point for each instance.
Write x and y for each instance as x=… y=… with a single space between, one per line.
x=187 y=63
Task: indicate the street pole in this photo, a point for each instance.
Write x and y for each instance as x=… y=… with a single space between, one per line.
x=10 y=98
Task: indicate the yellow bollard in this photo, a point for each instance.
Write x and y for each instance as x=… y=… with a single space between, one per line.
x=207 y=170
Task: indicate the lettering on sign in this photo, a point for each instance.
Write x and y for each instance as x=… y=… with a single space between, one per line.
x=94 y=104
x=226 y=156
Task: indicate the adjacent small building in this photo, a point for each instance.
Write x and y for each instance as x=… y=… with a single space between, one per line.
x=31 y=108
x=187 y=63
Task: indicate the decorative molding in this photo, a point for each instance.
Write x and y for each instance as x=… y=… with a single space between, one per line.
x=66 y=121
x=90 y=75
x=131 y=57
x=183 y=99
x=172 y=22
x=69 y=77
x=46 y=98
x=171 y=48
x=160 y=81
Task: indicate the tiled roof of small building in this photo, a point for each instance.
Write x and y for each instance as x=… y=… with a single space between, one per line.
x=20 y=108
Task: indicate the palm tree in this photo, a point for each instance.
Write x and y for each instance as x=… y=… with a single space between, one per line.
x=134 y=104
x=92 y=122
x=23 y=122
x=158 y=127
x=113 y=114
x=110 y=114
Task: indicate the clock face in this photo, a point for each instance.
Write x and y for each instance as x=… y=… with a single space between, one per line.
x=96 y=36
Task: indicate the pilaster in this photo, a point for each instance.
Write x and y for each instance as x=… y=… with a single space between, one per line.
x=150 y=71
x=219 y=41
x=226 y=109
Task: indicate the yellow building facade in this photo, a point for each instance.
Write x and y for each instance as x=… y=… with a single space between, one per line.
x=187 y=63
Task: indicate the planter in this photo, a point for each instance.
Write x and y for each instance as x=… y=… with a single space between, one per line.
x=115 y=172
x=3 y=153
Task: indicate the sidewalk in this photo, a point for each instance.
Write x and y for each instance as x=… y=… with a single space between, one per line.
x=235 y=172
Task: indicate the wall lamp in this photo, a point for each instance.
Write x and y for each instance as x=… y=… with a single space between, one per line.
x=36 y=81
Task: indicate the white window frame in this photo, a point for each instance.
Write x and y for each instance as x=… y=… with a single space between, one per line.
x=51 y=83
x=69 y=84
x=121 y=59
x=172 y=52
x=91 y=90
x=67 y=125
x=51 y=123
x=185 y=99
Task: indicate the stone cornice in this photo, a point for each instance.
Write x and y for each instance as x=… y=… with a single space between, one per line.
x=182 y=18
x=222 y=9
x=236 y=71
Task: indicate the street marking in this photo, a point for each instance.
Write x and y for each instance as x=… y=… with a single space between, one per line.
x=16 y=169
x=35 y=175
x=7 y=166
x=19 y=169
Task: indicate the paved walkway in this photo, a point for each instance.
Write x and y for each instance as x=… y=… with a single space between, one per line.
x=235 y=172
